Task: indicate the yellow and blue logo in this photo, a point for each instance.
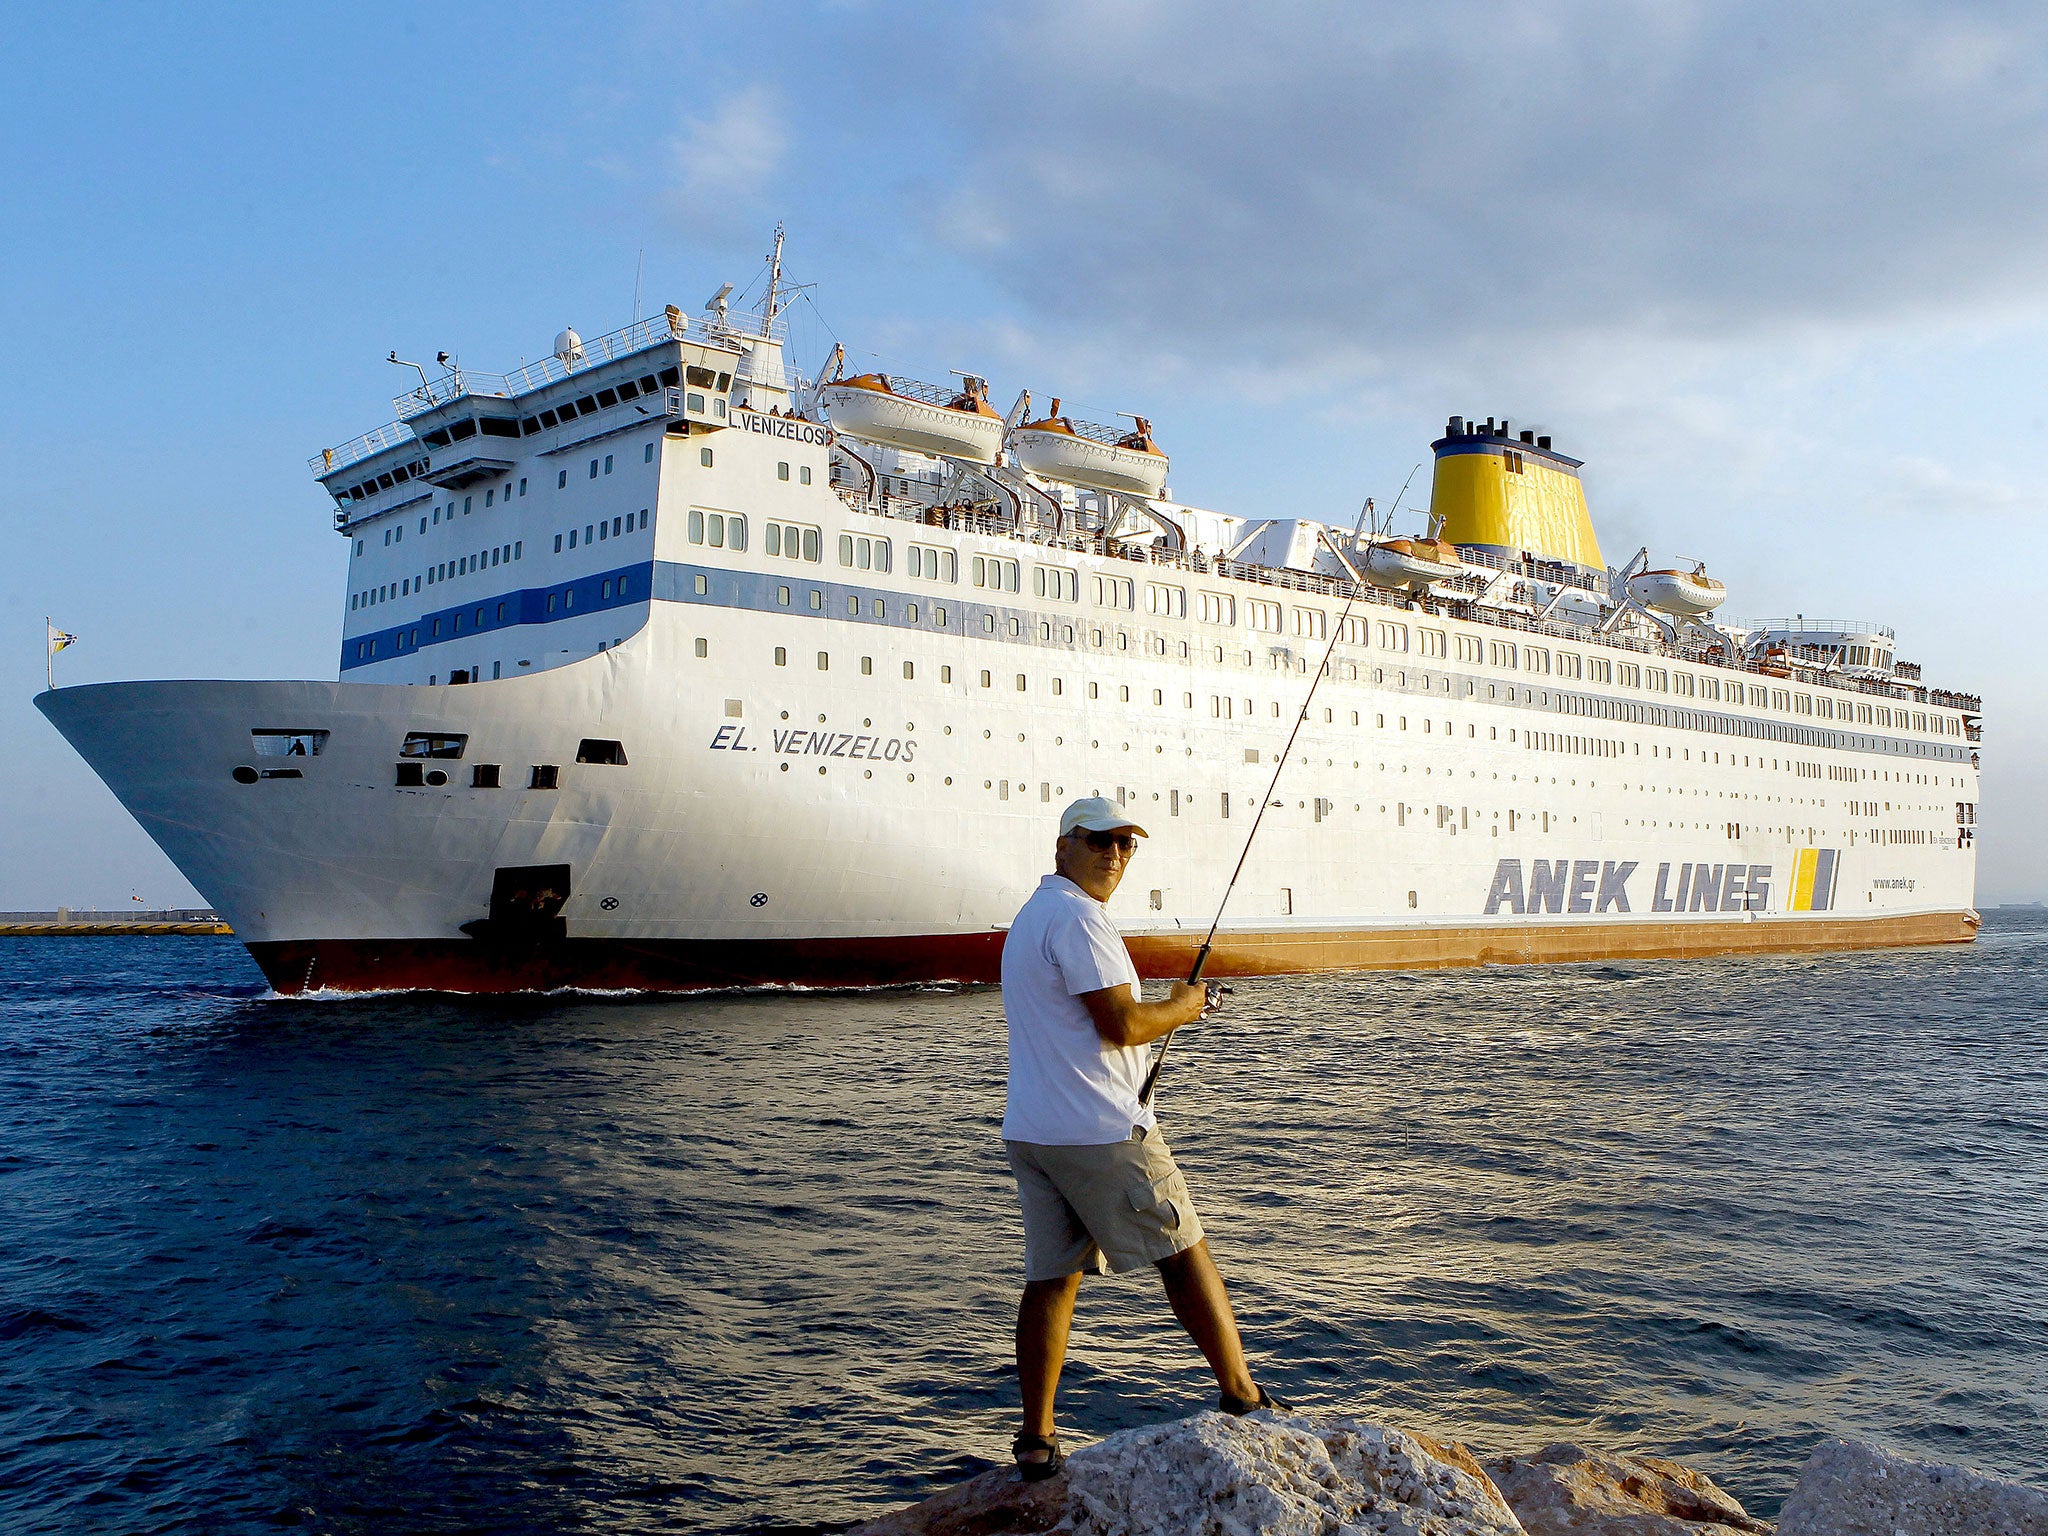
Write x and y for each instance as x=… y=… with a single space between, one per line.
x=1814 y=874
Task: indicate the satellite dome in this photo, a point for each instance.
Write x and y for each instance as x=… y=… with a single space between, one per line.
x=569 y=346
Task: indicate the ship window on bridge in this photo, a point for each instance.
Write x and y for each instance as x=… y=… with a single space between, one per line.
x=593 y=750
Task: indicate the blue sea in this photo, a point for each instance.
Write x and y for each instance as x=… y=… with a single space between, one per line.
x=749 y=1263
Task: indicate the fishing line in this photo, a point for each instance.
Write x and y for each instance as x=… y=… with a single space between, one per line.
x=1202 y=955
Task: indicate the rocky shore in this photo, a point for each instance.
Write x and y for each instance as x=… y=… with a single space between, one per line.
x=1311 y=1474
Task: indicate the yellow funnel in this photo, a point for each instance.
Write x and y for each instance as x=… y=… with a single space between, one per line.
x=1511 y=496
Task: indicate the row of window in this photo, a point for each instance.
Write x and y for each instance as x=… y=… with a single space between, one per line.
x=562 y=600
x=446 y=570
x=616 y=394
x=485 y=616
x=1348 y=671
x=1168 y=600
x=617 y=527
x=996 y=573
x=439 y=514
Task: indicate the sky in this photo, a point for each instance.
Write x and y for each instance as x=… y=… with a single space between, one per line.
x=1778 y=280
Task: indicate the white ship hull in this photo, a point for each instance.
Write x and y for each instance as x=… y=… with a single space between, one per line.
x=856 y=829
x=828 y=735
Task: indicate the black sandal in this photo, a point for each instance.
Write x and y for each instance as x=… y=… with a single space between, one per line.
x=1038 y=1471
x=1238 y=1407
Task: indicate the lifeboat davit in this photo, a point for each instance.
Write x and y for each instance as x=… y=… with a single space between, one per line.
x=1688 y=594
x=1101 y=458
x=920 y=418
x=1409 y=565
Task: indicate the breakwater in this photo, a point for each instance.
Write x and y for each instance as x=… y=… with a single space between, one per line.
x=67 y=922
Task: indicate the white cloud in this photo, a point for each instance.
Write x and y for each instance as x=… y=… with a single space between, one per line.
x=1381 y=184
x=723 y=166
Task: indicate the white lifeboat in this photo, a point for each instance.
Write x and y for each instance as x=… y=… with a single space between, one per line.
x=1688 y=594
x=1409 y=565
x=920 y=418
x=1101 y=458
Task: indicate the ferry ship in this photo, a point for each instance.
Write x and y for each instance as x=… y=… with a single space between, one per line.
x=663 y=667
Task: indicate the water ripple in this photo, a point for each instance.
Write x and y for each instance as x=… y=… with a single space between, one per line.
x=748 y=1263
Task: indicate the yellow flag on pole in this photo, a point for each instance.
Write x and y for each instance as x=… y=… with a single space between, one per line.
x=58 y=640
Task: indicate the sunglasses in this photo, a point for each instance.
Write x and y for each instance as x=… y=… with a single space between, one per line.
x=1102 y=842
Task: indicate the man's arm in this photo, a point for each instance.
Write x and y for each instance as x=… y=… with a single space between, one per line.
x=1123 y=1019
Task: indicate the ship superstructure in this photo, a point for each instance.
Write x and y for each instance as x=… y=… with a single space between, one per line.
x=663 y=667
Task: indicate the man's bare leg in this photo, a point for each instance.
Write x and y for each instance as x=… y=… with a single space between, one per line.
x=1203 y=1306
x=1044 y=1317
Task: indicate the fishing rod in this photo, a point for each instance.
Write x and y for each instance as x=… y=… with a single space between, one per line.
x=1336 y=630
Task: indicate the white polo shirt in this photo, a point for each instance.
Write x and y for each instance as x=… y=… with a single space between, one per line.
x=1068 y=1086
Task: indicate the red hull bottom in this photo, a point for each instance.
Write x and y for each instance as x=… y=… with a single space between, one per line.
x=295 y=967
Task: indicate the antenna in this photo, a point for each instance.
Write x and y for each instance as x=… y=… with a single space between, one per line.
x=639 y=265
x=426 y=390
x=771 y=304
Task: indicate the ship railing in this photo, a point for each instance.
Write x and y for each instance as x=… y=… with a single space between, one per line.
x=452 y=385
x=1700 y=654
x=1534 y=570
x=917 y=389
x=1802 y=625
x=356 y=449
x=1097 y=432
x=624 y=342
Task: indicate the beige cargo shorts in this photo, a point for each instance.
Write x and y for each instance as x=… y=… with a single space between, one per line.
x=1125 y=1203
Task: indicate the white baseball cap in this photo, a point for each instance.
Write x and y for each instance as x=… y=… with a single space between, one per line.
x=1096 y=814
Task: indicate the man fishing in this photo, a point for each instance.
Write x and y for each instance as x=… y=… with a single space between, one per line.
x=1094 y=1176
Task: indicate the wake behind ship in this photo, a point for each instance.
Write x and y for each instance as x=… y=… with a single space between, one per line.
x=662 y=669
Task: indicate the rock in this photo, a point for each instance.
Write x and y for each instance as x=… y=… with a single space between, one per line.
x=1857 y=1490
x=996 y=1503
x=1272 y=1475
x=1567 y=1490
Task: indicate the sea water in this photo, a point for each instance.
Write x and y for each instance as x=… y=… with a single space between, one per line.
x=749 y=1263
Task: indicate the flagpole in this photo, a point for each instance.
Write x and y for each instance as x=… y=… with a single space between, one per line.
x=49 y=657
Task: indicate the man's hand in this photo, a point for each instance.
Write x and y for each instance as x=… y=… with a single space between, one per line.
x=1122 y=1019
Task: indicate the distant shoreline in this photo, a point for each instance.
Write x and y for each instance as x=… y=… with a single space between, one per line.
x=65 y=923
